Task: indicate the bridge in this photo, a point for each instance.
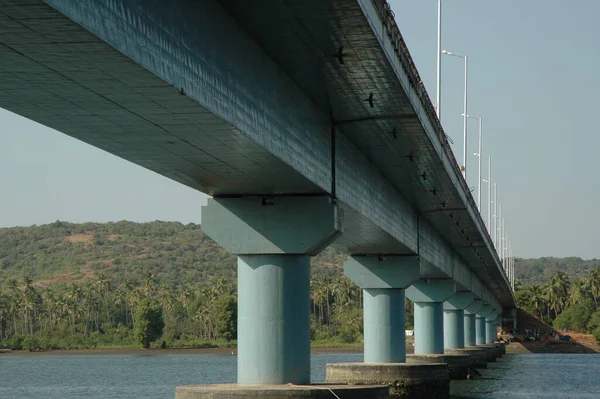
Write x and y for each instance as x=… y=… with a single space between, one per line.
x=308 y=124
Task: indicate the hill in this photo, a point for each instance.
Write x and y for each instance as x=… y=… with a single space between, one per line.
x=176 y=254
x=538 y=271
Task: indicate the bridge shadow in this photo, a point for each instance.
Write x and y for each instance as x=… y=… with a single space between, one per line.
x=554 y=346
x=546 y=341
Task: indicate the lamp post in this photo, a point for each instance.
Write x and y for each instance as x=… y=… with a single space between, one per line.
x=464 y=57
x=499 y=227
x=510 y=262
x=495 y=215
x=504 y=242
x=478 y=154
x=439 y=62
x=489 y=181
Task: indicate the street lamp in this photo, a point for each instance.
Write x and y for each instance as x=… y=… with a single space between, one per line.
x=499 y=227
x=489 y=182
x=464 y=110
x=439 y=63
x=495 y=214
x=478 y=154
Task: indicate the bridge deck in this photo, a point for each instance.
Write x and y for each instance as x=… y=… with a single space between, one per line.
x=252 y=111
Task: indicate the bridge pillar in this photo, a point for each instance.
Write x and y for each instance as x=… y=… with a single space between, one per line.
x=454 y=325
x=480 y=324
x=274 y=240
x=428 y=296
x=478 y=356
x=470 y=328
x=383 y=280
x=490 y=328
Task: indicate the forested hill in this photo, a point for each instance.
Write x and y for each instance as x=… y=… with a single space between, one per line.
x=538 y=271
x=174 y=253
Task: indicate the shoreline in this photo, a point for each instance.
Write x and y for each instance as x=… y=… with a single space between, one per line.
x=158 y=351
x=580 y=345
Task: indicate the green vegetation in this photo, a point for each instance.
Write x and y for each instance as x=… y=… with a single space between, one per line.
x=165 y=271
x=538 y=271
x=101 y=314
x=169 y=286
x=149 y=323
x=567 y=306
x=175 y=254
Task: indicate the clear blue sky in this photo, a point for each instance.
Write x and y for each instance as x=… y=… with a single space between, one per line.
x=532 y=78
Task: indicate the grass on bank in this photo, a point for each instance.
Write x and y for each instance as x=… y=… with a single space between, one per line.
x=124 y=339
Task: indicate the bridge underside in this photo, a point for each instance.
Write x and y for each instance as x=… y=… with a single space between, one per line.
x=59 y=75
x=254 y=117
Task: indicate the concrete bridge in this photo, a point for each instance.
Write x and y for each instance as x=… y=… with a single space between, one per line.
x=308 y=124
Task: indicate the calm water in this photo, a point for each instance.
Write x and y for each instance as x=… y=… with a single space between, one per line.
x=155 y=376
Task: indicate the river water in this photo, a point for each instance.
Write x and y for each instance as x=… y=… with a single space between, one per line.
x=546 y=376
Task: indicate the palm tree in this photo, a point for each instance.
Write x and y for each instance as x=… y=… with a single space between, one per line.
x=537 y=299
x=580 y=291
x=557 y=291
x=593 y=282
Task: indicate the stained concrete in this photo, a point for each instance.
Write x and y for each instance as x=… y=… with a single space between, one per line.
x=414 y=381
x=317 y=391
x=459 y=365
x=478 y=356
x=494 y=351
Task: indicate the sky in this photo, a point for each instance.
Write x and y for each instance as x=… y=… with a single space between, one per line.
x=532 y=78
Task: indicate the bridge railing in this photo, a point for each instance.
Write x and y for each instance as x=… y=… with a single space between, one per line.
x=401 y=49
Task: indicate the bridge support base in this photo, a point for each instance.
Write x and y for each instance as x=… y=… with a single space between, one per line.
x=477 y=356
x=459 y=365
x=405 y=380
x=232 y=391
x=274 y=239
x=491 y=350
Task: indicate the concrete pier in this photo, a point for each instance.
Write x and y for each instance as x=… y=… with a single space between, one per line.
x=480 y=324
x=492 y=321
x=459 y=364
x=477 y=356
x=274 y=309
x=316 y=391
x=428 y=296
x=384 y=335
x=470 y=322
x=274 y=242
x=454 y=325
x=383 y=280
x=405 y=380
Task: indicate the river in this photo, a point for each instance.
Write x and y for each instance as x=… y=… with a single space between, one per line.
x=546 y=376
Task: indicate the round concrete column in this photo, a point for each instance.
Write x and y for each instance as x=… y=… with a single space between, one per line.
x=480 y=330
x=274 y=319
x=491 y=331
x=454 y=329
x=385 y=340
x=429 y=328
x=470 y=330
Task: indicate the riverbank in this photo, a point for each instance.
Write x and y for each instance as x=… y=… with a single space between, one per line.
x=579 y=343
x=157 y=351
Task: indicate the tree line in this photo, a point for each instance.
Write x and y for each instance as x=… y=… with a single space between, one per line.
x=566 y=305
x=102 y=313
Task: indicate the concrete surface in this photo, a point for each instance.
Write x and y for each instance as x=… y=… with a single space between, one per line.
x=459 y=365
x=414 y=381
x=230 y=391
